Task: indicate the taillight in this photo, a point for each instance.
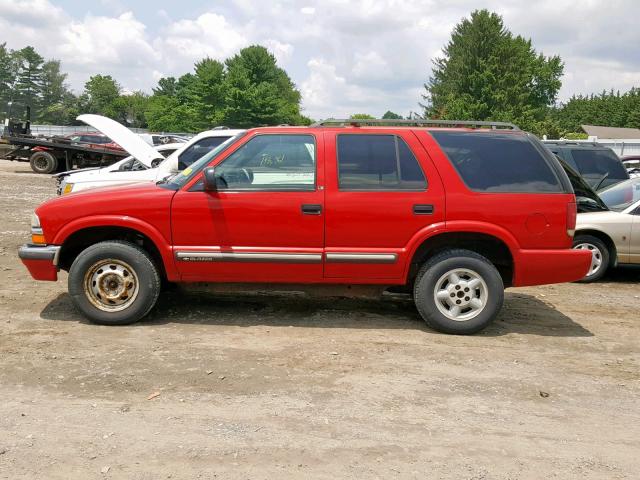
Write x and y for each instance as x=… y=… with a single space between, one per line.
x=572 y=214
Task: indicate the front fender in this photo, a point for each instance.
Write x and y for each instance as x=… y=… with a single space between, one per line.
x=125 y=221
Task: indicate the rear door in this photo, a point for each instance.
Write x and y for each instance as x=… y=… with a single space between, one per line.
x=381 y=189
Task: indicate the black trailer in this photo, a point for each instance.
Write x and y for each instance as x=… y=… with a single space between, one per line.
x=51 y=154
x=48 y=154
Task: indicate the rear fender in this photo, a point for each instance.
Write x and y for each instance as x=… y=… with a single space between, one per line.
x=463 y=227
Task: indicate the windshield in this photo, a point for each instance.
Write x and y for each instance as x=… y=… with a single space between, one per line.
x=622 y=195
x=587 y=200
x=179 y=179
x=600 y=168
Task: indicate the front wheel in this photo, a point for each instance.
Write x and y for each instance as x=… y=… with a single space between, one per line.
x=114 y=283
x=459 y=292
x=599 y=256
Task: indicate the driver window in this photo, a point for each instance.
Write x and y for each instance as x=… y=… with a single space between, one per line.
x=270 y=162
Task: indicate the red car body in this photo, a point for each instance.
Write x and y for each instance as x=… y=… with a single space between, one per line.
x=535 y=228
x=90 y=140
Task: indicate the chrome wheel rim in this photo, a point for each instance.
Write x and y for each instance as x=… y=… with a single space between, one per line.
x=111 y=285
x=596 y=257
x=461 y=294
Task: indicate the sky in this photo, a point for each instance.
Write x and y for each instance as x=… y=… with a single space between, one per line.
x=345 y=56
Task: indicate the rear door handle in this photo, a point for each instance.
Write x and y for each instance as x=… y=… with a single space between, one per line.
x=423 y=209
x=311 y=209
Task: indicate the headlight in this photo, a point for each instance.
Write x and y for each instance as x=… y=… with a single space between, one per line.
x=37 y=236
x=68 y=188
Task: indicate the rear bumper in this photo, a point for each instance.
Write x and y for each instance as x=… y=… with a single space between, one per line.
x=41 y=261
x=540 y=267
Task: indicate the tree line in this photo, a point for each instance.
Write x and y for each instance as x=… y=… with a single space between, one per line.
x=248 y=89
x=485 y=73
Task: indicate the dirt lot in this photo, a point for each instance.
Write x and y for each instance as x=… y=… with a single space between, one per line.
x=263 y=387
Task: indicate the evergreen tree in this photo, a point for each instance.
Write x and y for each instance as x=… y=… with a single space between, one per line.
x=29 y=78
x=53 y=92
x=389 y=115
x=487 y=73
x=258 y=92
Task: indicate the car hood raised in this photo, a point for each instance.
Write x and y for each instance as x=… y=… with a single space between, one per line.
x=124 y=137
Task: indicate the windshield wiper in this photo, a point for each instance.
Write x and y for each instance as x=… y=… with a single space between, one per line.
x=164 y=179
x=604 y=177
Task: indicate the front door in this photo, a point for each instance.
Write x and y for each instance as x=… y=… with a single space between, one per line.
x=266 y=221
x=382 y=189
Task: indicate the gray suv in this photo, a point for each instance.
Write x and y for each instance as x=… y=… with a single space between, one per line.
x=598 y=165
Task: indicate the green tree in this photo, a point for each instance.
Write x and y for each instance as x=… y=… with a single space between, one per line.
x=100 y=96
x=53 y=92
x=166 y=86
x=29 y=78
x=362 y=116
x=258 y=92
x=7 y=77
x=389 y=115
x=611 y=109
x=487 y=73
x=131 y=109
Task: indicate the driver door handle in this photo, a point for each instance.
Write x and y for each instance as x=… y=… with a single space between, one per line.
x=311 y=209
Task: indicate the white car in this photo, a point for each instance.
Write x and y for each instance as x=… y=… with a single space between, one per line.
x=146 y=164
x=611 y=232
x=125 y=171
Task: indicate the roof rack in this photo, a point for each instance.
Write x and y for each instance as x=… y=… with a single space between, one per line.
x=571 y=142
x=355 y=122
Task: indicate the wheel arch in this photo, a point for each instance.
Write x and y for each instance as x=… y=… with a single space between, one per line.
x=75 y=237
x=608 y=241
x=490 y=246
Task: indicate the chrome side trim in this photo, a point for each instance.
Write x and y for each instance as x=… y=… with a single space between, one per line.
x=40 y=252
x=261 y=257
x=361 y=257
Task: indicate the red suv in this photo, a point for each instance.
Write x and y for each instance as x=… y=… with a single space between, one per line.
x=453 y=211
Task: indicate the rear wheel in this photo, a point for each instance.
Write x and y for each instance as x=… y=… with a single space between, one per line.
x=43 y=162
x=114 y=283
x=600 y=256
x=458 y=291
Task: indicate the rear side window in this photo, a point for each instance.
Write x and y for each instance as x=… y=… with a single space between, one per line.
x=597 y=163
x=197 y=150
x=377 y=162
x=498 y=162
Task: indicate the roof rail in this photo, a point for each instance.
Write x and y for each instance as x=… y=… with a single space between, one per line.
x=563 y=141
x=356 y=122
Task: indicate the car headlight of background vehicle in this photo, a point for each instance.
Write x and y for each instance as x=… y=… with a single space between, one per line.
x=67 y=188
x=37 y=235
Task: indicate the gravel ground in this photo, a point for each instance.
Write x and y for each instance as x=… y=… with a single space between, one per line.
x=283 y=386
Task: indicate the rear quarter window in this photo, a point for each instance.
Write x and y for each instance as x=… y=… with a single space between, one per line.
x=498 y=162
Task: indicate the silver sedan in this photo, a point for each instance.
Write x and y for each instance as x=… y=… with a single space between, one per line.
x=613 y=235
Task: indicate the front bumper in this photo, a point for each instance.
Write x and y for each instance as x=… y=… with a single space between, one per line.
x=540 y=267
x=41 y=260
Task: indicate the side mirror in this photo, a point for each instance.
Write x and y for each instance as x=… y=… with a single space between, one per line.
x=210 y=181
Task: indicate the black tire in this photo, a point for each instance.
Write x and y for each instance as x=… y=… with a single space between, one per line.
x=43 y=162
x=599 y=251
x=433 y=273
x=111 y=254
